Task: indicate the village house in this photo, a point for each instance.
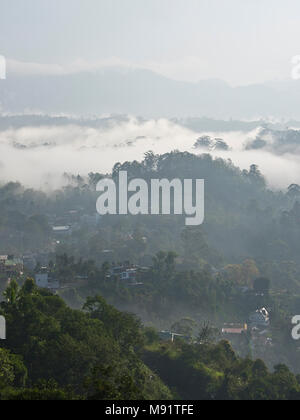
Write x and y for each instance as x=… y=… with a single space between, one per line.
x=234 y=329
x=128 y=273
x=125 y=272
x=44 y=280
x=11 y=266
x=260 y=318
x=170 y=336
x=62 y=230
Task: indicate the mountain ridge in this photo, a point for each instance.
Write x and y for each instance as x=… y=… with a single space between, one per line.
x=118 y=90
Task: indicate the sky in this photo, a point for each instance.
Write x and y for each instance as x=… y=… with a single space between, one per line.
x=239 y=41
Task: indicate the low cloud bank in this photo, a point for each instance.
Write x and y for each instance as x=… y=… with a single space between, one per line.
x=37 y=156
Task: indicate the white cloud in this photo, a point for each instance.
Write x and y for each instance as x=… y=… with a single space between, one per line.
x=39 y=155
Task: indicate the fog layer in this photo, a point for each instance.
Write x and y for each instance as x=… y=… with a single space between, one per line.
x=38 y=155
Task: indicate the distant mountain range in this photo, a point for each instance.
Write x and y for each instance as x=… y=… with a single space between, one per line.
x=145 y=93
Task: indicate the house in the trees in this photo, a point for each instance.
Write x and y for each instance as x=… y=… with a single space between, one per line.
x=59 y=231
x=11 y=266
x=125 y=272
x=129 y=274
x=44 y=280
x=171 y=336
x=234 y=330
x=260 y=318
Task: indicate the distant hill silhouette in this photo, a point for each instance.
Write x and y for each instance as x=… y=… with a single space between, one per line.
x=145 y=93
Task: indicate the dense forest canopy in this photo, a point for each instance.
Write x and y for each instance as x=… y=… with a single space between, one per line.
x=54 y=352
x=243 y=258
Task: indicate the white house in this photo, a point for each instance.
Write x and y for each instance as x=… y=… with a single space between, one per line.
x=129 y=274
x=260 y=318
x=62 y=230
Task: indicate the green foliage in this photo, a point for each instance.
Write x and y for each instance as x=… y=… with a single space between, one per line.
x=12 y=370
x=250 y=241
x=214 y=372
x=66 y=349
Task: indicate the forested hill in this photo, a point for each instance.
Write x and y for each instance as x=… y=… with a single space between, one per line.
x=243 y=219
x=244 y=257
x=55 y=353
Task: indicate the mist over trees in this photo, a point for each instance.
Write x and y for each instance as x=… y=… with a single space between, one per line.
x=190 y=280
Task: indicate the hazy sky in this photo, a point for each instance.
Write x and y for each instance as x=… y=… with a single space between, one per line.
x=240 y=41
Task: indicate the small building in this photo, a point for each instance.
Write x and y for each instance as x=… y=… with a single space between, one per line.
x=42 y=280
x=45 y=281
x=11 y=266
x=62 y=230
x=170 y=336
x=125 y=271
x=129 y=274
x=260 y=318
x=234 y=330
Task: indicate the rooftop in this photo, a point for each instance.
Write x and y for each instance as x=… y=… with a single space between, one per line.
x=61 y=228
x=233 y=330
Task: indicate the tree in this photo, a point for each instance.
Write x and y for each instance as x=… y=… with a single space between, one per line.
x=204 y=142
x=150 y=161
x=221 y=145
x=12 y=370
x=11 y=294
x=293 y=190
x=185 y=327
x=256 y=176
x=125 y=328
x=112 y=383
x=207 y=333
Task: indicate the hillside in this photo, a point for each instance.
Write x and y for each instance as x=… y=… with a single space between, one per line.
x=143 y=92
